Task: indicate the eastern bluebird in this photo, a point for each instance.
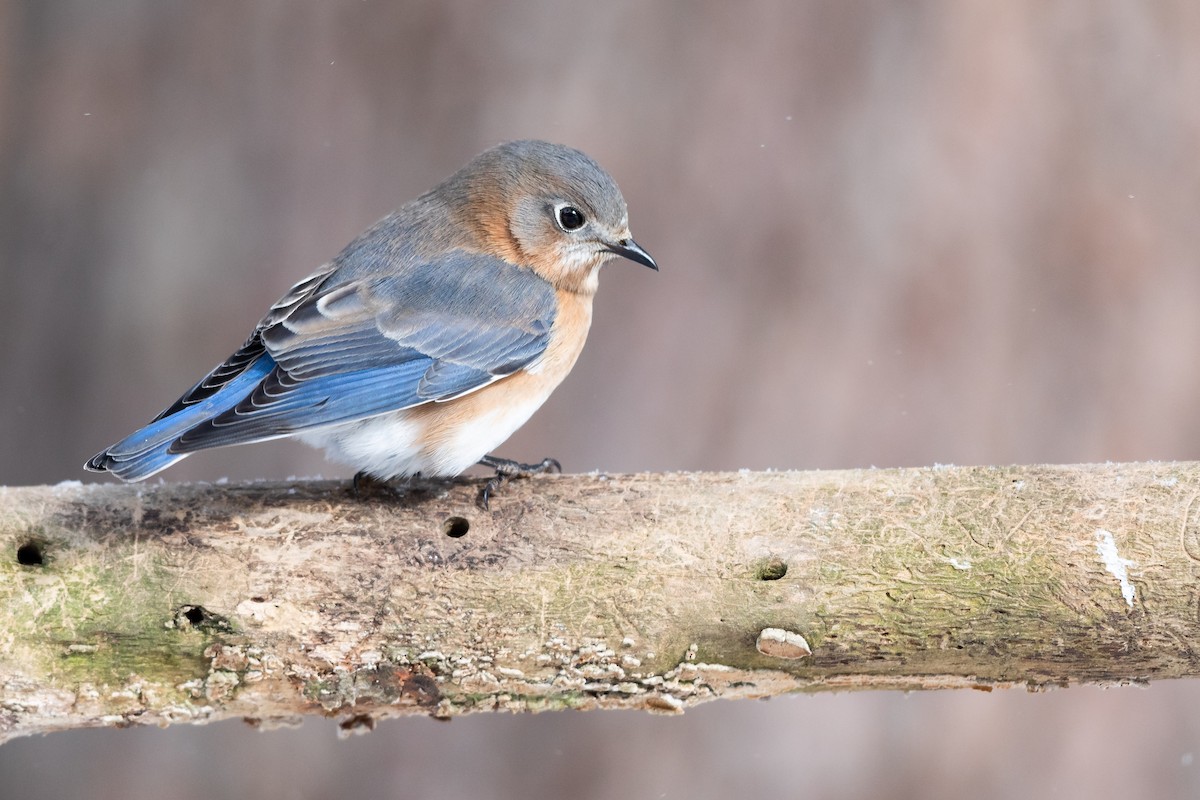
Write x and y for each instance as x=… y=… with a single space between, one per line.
x=429 y=339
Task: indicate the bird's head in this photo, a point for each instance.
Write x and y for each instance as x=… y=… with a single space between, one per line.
x=548 y=207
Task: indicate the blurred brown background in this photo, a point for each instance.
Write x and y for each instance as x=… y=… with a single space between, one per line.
x=890 y=234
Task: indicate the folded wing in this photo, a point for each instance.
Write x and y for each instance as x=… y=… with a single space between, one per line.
x=333 y=351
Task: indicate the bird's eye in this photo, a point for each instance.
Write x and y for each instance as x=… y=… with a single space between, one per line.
x=570 y=218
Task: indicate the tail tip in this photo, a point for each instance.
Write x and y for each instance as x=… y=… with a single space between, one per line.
x=99 y=462
x=133 y=469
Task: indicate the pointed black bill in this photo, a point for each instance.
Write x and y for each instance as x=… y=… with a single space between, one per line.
x=628 y=248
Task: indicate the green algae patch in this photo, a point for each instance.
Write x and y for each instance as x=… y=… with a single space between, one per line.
x=100 y=623
x=111 y=659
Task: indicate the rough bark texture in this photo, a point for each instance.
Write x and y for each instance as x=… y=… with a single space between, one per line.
x=171 y=603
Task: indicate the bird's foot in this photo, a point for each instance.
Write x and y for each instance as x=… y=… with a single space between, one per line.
x=364 y=485
x=507 y=469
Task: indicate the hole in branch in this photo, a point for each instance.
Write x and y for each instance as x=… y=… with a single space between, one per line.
x=772 y=570
x=454 y=527
x=30 y=555
x=196 y=617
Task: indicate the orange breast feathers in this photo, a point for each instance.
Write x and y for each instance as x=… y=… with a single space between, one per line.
x=457 y=430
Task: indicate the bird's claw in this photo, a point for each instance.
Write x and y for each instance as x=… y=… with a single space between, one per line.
x=359 y=484
x=506 y=469
x=364 y=485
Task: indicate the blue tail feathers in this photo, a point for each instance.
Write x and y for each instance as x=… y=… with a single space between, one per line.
x=148 y=450
x=264 y=402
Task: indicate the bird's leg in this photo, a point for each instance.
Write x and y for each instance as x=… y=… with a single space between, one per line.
x=515 y=469
x=506 y=469
x=365 y=484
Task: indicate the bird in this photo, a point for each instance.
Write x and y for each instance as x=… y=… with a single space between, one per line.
x=429 y=339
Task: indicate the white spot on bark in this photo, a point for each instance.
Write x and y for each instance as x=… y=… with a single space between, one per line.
x=782 y=644
x=1115 y=564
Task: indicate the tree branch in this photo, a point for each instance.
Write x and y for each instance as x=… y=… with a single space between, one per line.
x=170 y=603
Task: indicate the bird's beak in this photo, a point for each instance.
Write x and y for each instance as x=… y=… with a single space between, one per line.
x=628 y=248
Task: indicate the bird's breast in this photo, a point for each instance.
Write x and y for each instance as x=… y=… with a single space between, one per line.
x=457 y=433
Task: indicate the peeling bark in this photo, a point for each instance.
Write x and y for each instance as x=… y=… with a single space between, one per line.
x=170 y=603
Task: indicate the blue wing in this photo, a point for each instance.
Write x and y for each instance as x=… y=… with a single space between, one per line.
x=343 y=345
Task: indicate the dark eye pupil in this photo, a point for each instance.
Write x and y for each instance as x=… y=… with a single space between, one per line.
x=570 y=218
